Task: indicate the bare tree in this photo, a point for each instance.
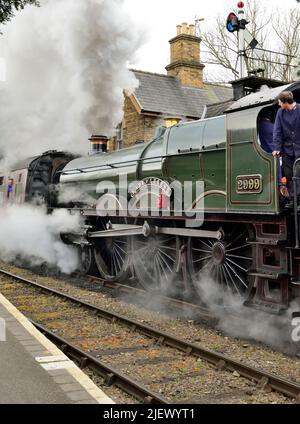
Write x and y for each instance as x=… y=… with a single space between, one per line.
x=277 y=33
x=287 y=29
x=9 y=7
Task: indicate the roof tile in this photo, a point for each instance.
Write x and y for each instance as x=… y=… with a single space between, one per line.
x=163 y=94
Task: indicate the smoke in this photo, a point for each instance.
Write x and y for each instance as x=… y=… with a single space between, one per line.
x=67 y=194
x=66 y=69
x=28 y=233
x=244 y=322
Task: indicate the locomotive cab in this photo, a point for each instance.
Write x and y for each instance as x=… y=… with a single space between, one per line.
x=253 y=175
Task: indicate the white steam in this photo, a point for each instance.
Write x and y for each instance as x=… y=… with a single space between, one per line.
x=240 y=321
x=29 y=234
x=68 y=194
x=66 y=69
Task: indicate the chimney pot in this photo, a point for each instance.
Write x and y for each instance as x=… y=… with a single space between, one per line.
x=184 y=28
x=98 y=144
x=192 y=29
x=178 y=29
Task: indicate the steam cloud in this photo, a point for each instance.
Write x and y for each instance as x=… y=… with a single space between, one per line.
x=248 y=323
x=66 y=69
x=29 y=234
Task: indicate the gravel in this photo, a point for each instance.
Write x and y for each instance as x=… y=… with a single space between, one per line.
x=205 y=387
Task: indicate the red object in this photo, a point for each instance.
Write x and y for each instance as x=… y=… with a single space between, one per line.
x=241 y=5
x=161 y=202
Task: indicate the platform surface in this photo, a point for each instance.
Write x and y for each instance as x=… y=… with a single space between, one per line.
x=34 y=371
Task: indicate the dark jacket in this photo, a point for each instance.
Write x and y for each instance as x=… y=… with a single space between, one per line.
x=286 y=135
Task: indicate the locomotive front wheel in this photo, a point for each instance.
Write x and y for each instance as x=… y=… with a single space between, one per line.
x=227 y=262
x=87 y=260
x=155 y=262
x=112 y=257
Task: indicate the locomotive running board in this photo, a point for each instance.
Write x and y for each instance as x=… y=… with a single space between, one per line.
x=186 y=232
x=124 y=230
x=118 y=230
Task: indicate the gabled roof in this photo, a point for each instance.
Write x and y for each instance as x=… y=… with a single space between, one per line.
x=218 y=109
x=162 y=94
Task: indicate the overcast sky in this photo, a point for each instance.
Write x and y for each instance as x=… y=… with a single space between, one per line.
x=158 y=20
x=160 y=17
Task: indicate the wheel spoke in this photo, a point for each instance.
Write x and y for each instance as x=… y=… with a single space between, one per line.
x=121 y=249
x=201 y=259
x=163 y=261
x=158 y=254
x=165 y=254
x=237 y=248
x=218 y=274
x=228 y=262
x=201 y=250
x=223 y=271
x=162 y=269
x=236 y=239
x=119 y=256
x=210 y=262
x=231 y=278
x=237 y=265
x=237 y=275
x=169 y=248
x=246 y=258
x=206 y=244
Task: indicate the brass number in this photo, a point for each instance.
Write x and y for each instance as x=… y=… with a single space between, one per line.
x=257 y=184
x=249 y=184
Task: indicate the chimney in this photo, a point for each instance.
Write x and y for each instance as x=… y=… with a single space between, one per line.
x=98 y=144
x=185 y=57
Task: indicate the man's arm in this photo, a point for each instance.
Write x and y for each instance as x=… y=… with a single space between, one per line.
x=277 y=135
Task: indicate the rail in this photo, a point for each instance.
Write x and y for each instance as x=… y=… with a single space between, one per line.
x=222 y=362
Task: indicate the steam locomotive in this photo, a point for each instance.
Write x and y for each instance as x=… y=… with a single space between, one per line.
x=232 y=228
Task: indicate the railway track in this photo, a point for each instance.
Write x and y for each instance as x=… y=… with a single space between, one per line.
x=151 y=365
x=171 y=305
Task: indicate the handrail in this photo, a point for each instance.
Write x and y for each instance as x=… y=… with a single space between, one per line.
x=295 y=201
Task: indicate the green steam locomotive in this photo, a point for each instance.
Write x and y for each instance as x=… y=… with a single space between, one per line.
x=200 y=201
x=240 y=235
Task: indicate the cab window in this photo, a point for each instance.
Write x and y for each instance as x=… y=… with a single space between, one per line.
x=10 y=187
x=265 y=125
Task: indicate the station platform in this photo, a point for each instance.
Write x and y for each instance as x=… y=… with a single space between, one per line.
x=34 y=371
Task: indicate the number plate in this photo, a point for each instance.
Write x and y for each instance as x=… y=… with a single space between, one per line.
x=249 y=184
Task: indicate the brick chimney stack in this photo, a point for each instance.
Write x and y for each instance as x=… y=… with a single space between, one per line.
x=185 y=57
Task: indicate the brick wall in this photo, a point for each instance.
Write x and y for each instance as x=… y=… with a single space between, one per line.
x=188 y=75
x=185 y=47
x=137 y=126
x=185 y=60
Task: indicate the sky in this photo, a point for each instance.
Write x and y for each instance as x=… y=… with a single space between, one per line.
x=160 y=17
x=157 y=19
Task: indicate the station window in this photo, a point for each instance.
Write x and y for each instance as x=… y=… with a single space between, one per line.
x=1 y=181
